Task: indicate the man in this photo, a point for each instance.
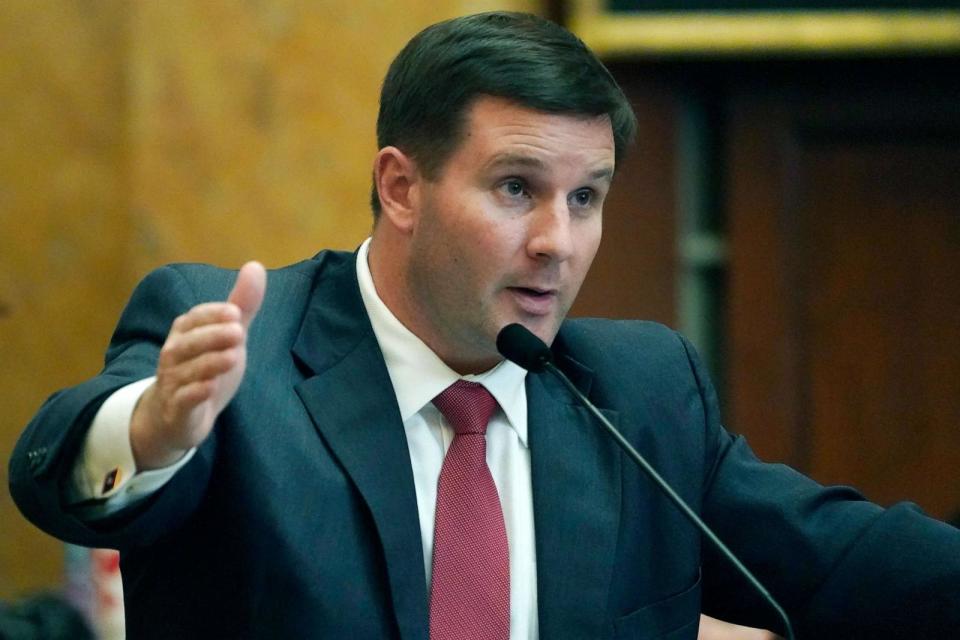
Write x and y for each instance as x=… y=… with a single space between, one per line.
x=279 y=464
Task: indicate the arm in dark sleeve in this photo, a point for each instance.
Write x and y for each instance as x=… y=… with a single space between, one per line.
x=841 y=566
x=46 y=452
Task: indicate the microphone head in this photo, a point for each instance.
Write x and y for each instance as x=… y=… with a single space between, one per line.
x=518 y=344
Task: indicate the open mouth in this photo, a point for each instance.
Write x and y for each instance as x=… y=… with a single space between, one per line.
x=537 y=293
x=534 y=300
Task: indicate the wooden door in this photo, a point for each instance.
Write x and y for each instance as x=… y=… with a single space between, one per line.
x=844 y=310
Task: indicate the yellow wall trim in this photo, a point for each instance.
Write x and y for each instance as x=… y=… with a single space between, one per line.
x=766 y=32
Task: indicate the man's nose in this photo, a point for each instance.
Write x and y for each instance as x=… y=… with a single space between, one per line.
x=550 y=235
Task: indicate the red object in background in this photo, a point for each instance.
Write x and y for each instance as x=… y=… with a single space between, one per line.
x=94 y=586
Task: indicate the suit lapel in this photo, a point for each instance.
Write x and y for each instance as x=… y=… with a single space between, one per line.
x=576 y=504
x=351 y=401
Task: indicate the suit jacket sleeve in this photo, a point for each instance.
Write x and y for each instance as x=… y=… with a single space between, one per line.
x=46 y=452
x=840 y=565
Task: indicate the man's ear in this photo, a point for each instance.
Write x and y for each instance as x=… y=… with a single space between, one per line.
x=398 y=181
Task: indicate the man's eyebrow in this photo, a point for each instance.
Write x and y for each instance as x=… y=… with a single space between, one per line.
x=605 y=174
x=515 y=160
x=519 y=160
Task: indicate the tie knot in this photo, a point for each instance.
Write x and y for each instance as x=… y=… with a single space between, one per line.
x=467 y=406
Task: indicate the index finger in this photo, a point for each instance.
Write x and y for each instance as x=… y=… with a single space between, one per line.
x=204 y=314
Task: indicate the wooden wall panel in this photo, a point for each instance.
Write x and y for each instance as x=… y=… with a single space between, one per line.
x=881 y=302
x=253 y=125
x=763 y=401
x=62 y=227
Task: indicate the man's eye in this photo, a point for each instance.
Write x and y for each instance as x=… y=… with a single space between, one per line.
x=513 y=188
x=583 y=197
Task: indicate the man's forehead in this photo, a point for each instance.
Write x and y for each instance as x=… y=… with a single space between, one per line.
x=485 y=108
x=515 y=134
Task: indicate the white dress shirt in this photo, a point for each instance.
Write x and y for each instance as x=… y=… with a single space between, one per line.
x=418 y=375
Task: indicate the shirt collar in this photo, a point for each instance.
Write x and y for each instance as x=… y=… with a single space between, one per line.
x=419 y=375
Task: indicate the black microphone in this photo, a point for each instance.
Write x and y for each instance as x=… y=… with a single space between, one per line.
x=519 y=345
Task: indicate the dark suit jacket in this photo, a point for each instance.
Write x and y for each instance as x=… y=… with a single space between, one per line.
x=297 y=518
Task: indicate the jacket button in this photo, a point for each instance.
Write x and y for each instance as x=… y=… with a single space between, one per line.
x=36 y=457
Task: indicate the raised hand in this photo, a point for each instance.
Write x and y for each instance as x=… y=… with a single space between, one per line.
x=200 y=367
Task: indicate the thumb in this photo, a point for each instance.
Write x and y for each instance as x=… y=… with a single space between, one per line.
x=248 y=291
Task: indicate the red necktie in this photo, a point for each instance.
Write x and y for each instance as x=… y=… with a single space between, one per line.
x=470 y=590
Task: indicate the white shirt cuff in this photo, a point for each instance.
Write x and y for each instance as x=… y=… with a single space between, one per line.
x=105 y=468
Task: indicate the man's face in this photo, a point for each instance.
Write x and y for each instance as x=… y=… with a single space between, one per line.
x=507 y=231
